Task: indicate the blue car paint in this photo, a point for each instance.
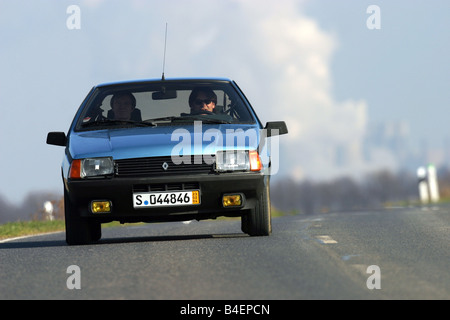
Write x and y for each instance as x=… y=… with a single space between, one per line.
x=160 y=141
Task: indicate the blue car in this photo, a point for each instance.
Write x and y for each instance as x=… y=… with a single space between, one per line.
x=165 y=150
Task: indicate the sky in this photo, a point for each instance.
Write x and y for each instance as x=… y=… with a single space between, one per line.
x=330 y=68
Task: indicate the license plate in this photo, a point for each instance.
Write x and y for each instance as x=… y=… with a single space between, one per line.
x=159 y=199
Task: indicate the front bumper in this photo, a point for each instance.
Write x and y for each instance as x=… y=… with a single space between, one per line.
x=120 y=192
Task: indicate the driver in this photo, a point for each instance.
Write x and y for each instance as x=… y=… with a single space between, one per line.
x=202 y=100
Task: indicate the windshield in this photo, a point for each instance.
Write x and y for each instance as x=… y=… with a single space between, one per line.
x=163 y=103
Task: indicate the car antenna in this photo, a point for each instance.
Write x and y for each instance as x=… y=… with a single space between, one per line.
x=164 y=57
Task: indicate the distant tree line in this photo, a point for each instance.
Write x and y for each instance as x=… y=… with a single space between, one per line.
x=31 y=208
x=374 y=190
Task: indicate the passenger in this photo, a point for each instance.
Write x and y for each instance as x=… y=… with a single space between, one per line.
x=122 y=104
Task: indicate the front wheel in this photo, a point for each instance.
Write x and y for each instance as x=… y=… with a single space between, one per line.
x=258 y=222
x=79 y=230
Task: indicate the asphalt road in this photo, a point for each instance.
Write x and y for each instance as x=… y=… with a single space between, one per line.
x=397 y=253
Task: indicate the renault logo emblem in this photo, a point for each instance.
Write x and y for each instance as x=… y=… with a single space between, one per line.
x=165 y=166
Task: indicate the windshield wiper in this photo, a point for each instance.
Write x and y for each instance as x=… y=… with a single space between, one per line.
x=152 y=121
x=215 y=118
x=117 y=122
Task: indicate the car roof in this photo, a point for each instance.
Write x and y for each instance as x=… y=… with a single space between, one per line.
x=168 y=80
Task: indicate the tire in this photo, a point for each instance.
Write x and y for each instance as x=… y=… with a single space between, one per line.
x=79 y=230
x=258 y=222
x=244 y=223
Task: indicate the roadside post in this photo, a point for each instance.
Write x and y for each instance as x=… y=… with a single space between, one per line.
x=433 y=187
x=48 y=210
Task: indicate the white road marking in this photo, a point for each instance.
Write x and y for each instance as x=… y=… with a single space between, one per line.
x=29 y=236
x=326 y=239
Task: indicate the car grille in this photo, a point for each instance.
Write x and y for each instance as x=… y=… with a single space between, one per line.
x=166 y=187
x=160 y=166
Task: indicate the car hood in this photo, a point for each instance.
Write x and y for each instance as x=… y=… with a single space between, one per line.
x=162 y=141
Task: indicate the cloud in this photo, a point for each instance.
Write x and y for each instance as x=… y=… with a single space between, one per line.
x=92 y=3
x=285 y=63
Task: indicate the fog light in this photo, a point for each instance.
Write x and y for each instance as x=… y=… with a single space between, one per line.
x=101 y=206
x=232 y=200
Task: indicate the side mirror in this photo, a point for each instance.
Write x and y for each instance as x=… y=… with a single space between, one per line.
x=275 y=128
x=57 y=138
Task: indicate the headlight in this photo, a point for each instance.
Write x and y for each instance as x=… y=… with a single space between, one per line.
x=85 y=168
x=238 y=160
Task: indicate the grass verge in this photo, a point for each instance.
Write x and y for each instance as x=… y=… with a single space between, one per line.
x=29 y=228
x=26 y=228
